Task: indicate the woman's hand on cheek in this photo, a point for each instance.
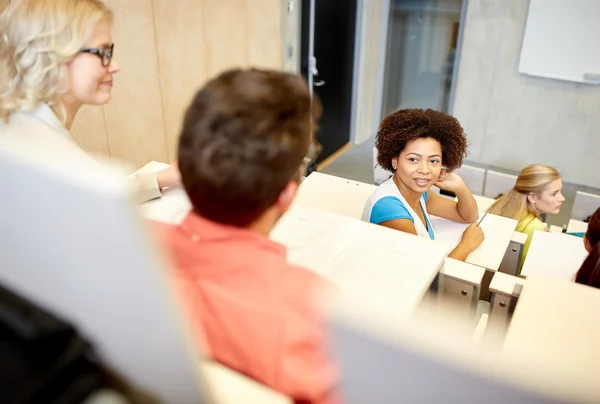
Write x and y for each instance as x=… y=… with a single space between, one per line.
x=449 y=181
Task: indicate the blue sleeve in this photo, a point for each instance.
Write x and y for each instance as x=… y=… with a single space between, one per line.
x=389 y=208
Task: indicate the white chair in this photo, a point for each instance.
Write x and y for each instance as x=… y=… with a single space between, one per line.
x=474 y=177
x=379 y=174
x=585 y=205
x=497 y=184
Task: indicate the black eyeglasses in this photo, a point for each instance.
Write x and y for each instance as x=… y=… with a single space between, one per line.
x=105 y=54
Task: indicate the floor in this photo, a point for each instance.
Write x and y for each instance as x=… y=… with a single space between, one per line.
x=356 y=163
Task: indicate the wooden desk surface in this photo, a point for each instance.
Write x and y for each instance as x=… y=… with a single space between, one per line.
x=334 y=194
x=505 y=283
x=360 y=256
x=555 y=326
x=229 y=387
x=551 y=350
x=498 y=233
x=577 y=226
x=324 y=192
x=345 y=197
x=483 y=202
x=171 y=207
x=554 y=254
x=463 y=271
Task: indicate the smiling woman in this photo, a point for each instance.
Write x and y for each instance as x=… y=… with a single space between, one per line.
x=421 y=148
x=55 y=57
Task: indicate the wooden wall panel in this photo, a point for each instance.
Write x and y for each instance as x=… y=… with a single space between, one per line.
x=167 y=50
x=89 y=130
x=226 y=33
x=134 y=119
x=182 y=60
x=263 y=18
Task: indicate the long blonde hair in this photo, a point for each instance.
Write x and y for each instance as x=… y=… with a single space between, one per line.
x=37 y=40
x=532 y=179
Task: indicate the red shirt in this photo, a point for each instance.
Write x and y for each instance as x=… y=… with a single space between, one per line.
x=251 y=310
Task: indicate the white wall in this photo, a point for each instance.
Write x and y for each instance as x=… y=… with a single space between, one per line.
x=368 y=77
x=513 y=120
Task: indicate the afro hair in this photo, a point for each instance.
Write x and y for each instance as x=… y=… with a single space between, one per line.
x=405 y=125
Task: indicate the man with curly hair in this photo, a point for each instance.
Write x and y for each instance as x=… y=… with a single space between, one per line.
x=422 y=148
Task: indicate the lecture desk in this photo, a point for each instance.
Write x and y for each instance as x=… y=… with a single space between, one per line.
x=505 y=290
x=347 y=197
x=460 y=285
x=555 y=327
x=498 y=232
x=226 y=386
x=338 y=195
x=340 y=247
x=576 y=226
x=361 y=257
x=171 y=207
x=555 y=255
x=483 y=202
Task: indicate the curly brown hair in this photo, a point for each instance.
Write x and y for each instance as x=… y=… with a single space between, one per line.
x=405 y=125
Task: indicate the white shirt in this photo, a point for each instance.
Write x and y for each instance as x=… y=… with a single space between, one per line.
x=387 y=203
x=40 y=132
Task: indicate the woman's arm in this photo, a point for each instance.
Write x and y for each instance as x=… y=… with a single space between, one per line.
x=147 y=185
x=405 y=225
x=463 y=211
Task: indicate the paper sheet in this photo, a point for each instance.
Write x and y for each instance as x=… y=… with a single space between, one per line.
x=554 y=255
x=314 y=239
x=450 y=233
x=385 y=259
x=170 y=208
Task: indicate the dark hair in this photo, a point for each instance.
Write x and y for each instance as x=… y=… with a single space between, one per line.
x=593 y=231
x=244 y=137
x=405 y=125
x=589 y=273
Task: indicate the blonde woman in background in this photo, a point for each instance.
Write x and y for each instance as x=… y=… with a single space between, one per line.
x=537 y=191
x=56 y=56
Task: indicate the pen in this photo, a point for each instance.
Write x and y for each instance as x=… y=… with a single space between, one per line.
x=484 y=215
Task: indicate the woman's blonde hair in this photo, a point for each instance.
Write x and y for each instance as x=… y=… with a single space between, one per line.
x=515 y=204
x=37 y=40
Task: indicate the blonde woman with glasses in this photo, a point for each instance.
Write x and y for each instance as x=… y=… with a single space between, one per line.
x=56 y=56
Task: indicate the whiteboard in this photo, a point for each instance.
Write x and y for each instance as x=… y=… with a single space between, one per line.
x=561 y=40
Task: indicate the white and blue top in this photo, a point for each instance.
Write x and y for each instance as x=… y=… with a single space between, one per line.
x=387 y=203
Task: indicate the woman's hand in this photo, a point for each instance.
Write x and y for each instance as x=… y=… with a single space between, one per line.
x=472 y=237
x=449 y=181
x=169 y=177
